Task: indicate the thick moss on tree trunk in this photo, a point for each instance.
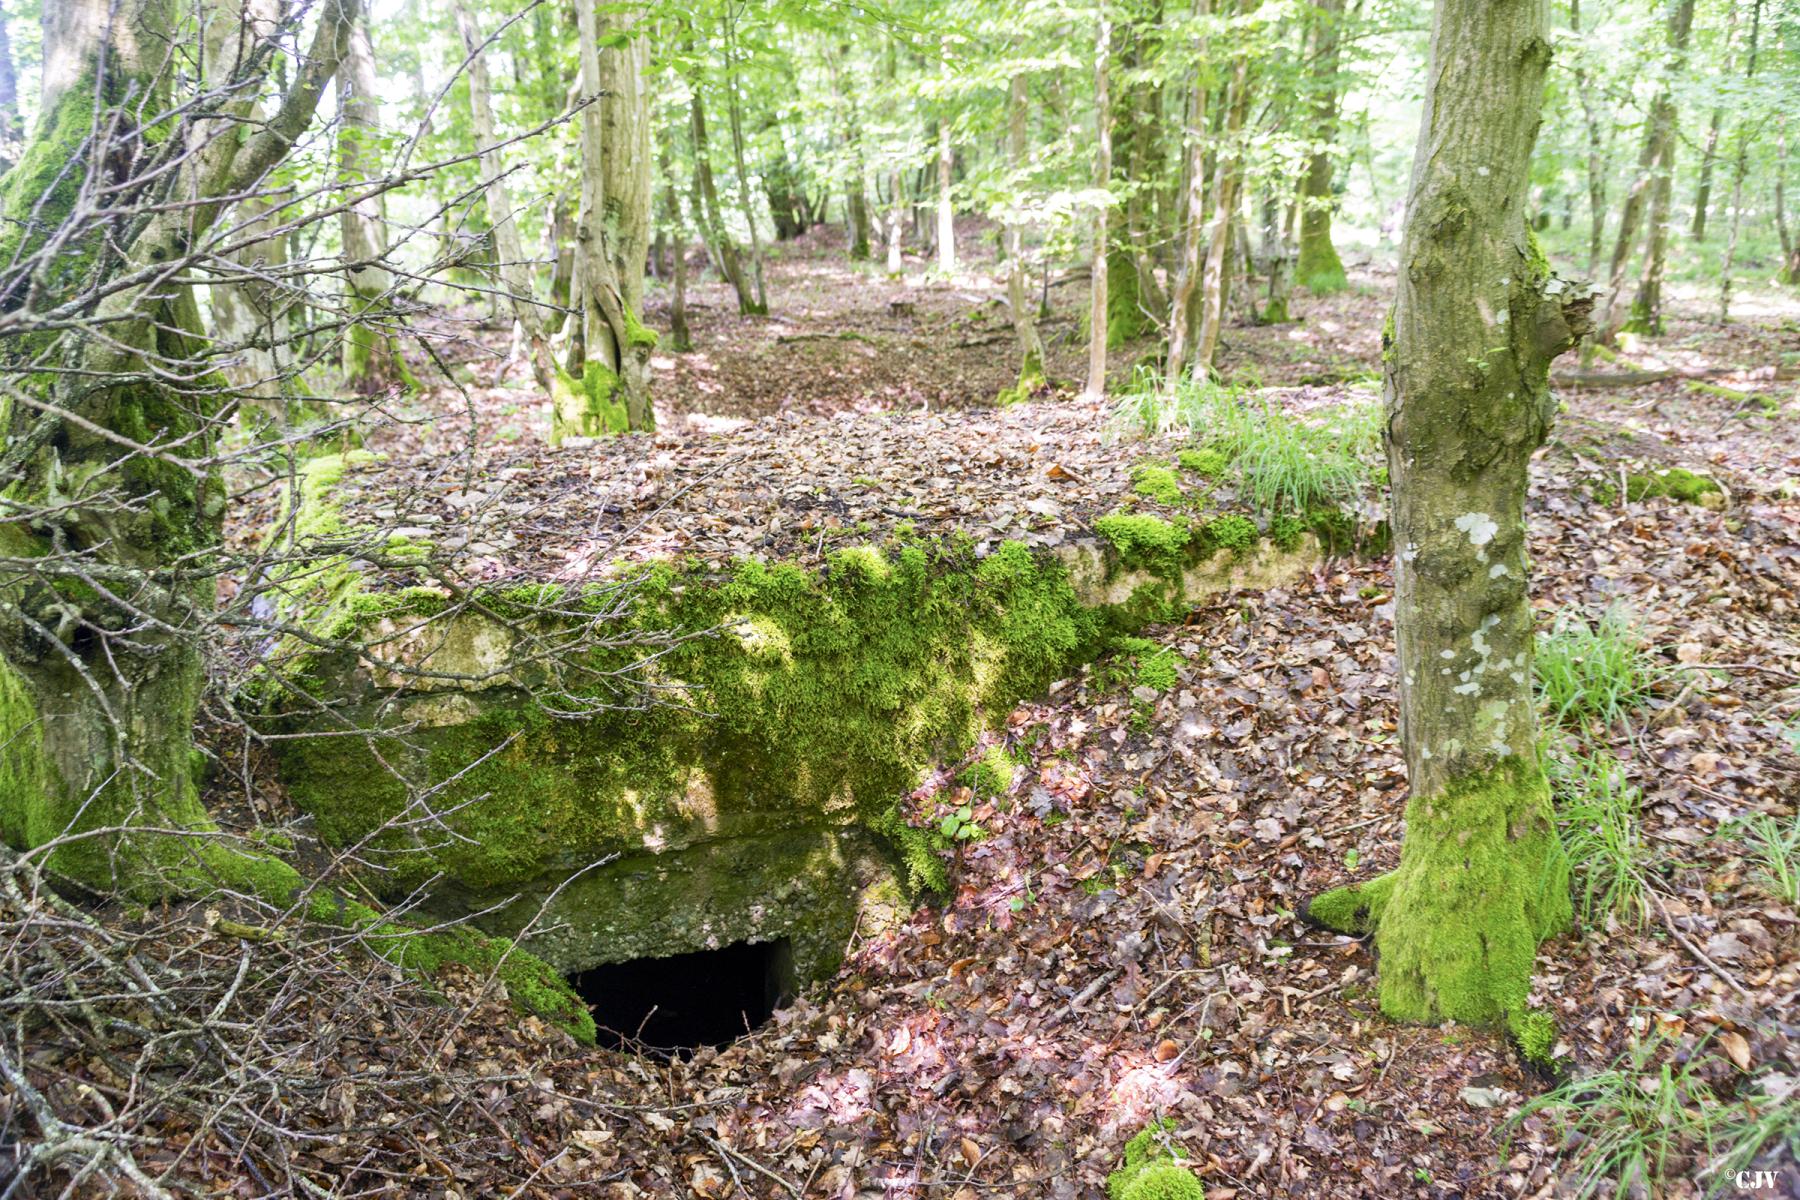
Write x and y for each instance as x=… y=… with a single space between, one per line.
x=1477 y=320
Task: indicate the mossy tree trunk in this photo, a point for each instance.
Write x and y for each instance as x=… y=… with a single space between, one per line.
x=1476 y=322
x=1018 y=301
x=612 y=232
x=1319 y=269
x=103 y=616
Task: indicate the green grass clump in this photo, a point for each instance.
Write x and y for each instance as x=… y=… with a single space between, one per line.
x=1158 y=483
x=1776 y=852
x=1644 y=1123
x=1597 y=810
x=1152 y=1169
x=1595 y=673
x=1278 y=462
x=1151 y=665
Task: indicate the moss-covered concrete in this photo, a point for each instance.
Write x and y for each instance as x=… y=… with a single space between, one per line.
x=742 y=784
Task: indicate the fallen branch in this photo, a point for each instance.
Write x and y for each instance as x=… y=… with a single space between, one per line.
x=1603 y=379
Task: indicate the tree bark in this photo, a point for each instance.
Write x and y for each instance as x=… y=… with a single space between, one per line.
x=1320 y=270
x=1096 y=377
x=946 y=209
x=1596 y=151
x=100 y=640
x=1031 y=347
x=1653 y=164
x=372 y=359
x=1476 y=322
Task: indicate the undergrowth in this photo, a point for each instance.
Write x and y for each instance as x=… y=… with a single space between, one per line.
x=1646 y=1121
x=1595 y=674
x=1278 y=462
x=1598 y=810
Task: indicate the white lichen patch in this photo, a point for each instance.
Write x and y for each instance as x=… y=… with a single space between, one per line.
x=1480 y=529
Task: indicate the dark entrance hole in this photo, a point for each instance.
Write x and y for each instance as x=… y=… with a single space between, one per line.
x=677 y=1004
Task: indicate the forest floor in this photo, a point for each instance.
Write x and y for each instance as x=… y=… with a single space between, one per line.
x=1123 y=943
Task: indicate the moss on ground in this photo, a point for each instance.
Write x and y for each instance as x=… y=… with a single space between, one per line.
x=1157 y=482
x=1482 y=880
x=1675 y=483
x=1210 y=461
x=1152 y=1170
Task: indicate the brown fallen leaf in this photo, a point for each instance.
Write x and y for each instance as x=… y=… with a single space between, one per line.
x=1736 y=1048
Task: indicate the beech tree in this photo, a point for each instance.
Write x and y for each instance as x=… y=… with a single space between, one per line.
x=111 y=481
x=1477 y=320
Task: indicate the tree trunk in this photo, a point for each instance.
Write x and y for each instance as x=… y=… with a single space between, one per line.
x=1096 y=377
x=1657 y=151
x=946 y=210
x=1193 y=226
x=1790 y=245
x=735 y=115
x=1708 y=155
x=679 y=340
x=896 y=224
x=723 y=246
x=12 y=122
x=1596 y=151
x=1132 y=292
x=611 y=237
x=1031 y=348
x=372 y=360
x=101 y=636
x=625 y=149
x=1476 y=322
x=1739 y=167
x=574 y=407
x=1213 y=288
x=1319 y=270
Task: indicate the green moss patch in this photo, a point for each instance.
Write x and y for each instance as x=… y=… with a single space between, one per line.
x=1674 y=483
x=1152 y=1169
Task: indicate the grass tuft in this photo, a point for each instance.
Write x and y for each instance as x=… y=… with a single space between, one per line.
x=1595 y=674
x=1278 y=462
x=1597 y=809
x=1641 y=1125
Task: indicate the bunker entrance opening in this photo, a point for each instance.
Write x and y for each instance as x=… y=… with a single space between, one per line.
x=675 y=1005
